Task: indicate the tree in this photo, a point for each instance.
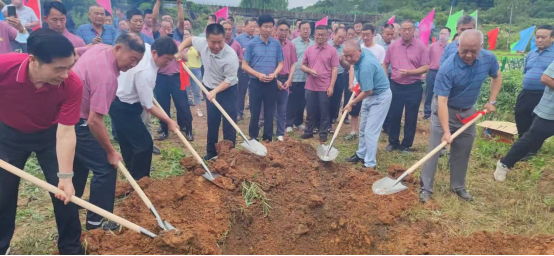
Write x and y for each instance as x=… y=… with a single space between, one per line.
x=265 y=4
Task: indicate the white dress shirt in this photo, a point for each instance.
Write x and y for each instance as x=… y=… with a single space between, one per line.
x=137 y=84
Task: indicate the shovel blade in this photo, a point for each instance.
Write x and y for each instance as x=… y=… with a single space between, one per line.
x=322 y=153
x=255 y=147
x=387 y=186
x=211 y=176
x=168 y=227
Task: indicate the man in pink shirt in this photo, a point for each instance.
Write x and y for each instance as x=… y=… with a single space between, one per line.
x=435 y=53
x=151 y=19
x=321 y=63
x=284 y=78
x=409 y=59
x=7 y=35
x=98 y=70
x=228 y=27
x=296 y=32
x=55 y=15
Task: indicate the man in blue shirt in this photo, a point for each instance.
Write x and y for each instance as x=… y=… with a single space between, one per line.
x=244 y=79
x=136 y=22
x=464 y=23
x=375 y=96
x=96 y=32
x=457 y=89
x=536 y=63
x=263 y=60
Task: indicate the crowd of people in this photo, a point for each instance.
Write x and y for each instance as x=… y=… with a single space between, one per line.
x=58 y=87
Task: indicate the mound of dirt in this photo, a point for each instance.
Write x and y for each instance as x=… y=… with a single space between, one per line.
x=306 y=207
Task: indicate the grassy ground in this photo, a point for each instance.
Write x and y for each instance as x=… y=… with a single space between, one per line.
x=524 y=204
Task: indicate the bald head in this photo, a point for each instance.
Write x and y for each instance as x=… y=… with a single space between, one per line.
x=97 y=15
x=352 y=43
x=471 y=36
x=470 y=45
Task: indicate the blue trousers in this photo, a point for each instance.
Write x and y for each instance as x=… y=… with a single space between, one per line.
x=373 y=114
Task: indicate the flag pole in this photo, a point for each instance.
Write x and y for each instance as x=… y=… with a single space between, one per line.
x=450 y=11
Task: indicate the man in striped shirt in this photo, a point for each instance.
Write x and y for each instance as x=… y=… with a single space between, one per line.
x=97 y=32
x=249 y=28
x=284 y=79
x=464 y=23
x=540 y=130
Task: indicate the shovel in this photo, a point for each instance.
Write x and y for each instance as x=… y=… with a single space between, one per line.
x=163 y=224
x=253 y=146
x=387 y=186
x=207 y=175
x=76 y=200
x=330 y=153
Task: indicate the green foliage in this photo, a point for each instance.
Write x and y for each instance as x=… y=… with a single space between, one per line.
x=511 y=86
x=251 y=191
x=265 y=4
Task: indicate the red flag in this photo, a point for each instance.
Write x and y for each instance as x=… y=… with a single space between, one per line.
x=185 y=77
x=493 y=36
x=434 y=39
x=322 y=22
x=106 y=4
x=222 y=13
x=391 y=20
x=357 y=89
x=35 y=5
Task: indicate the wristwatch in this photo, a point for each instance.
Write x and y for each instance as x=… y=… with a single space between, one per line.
x=492 y=103
x=65 y=175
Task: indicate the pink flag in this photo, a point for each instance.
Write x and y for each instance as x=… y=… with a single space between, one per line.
x=391 y=20
x=222 y=13
x=322 y=22
x=106 y=4
x=425 y=27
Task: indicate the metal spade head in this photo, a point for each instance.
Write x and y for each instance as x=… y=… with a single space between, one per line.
x=255 y=147
x=211 y=176
x=322 y=153
x=387 y=186
x=168 y=227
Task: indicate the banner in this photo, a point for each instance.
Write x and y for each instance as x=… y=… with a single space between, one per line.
x=524 y=35
x=425 y=27
x=391 y=20
x=322 y=22
x=35 y=5
x=475 y=15
x=222 y=13
x=453 y=22
x=493 y=36
x=106 y=4
x=512 y=47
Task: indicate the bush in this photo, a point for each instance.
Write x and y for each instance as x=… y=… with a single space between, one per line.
x=511 y=86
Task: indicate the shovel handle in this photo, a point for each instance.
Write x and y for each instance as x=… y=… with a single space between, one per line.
x=134 y=184
x=74 y=199
x=214 y=101
x=344 y=113
x=439 y=147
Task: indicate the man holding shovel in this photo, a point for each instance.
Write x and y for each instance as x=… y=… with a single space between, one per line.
x=41 y=99
x=375 y=96
x=457 y=87
x=221 y=65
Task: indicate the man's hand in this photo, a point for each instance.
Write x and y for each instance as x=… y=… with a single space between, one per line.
x=313 y=72
x=287 y=84
x=262 y=77
x=280 y=85
x=211 y=95
x=270 y=77
x=330 y=91
x=114 y=158
x=404 y=72
x=65 y=185
x=424 y=77
x=348 y=107
x=97 y=40
x=172 y=126
x=490 y=108
x=447 y=137
x=351 y=87
x=15 y=22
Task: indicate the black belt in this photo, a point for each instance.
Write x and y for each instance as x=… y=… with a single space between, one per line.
x=459 y=109
x=283 y=76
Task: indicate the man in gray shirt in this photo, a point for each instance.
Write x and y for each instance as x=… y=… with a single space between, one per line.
x=221 y=65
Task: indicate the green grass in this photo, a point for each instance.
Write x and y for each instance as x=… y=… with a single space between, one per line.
x=252 y=192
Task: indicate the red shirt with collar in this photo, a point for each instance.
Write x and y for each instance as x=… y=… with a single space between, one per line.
x=31 y=110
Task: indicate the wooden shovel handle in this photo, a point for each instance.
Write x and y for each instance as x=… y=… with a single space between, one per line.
x=345 y=112
x=74 y=199
x=135 y=185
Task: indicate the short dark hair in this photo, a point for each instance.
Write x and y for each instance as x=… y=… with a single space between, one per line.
x=297 y=20
x=321 y=27
x=119 y=21
x=265 y=19
x=447 y=28
x=547 y=27
x=455 y=35
x=164 y=46
x=213 y=17
x=133 y=12
x=47 y=7
x=387 y=25
x=302 y=23
x=348 y=28
x=107 y=13
x=187 y=19
x=214 y=29
x=340 y=28
x=358 y=22
x=131 y=40
x=250 y=20
x=283 y=22
x=408 y=21
x=367 y=27
x=220 y=20
x=231 y=18
x=147 y=11
x=47 y=45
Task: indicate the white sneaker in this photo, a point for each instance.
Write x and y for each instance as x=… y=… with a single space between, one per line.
x=280 y=138
x=8 y=251
x=289 y=129
x=199 y=113
x=501 y=172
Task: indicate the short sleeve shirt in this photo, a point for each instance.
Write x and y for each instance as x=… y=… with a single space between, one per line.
x=370 y=74
x=98 y=71
x=217 y=67
x=536 y=63
x=301 y=47
x=340 y=51
x=87 y=33
x=25 y=14
x=30 y=110
x=406 y=56
x=435 y=53
x=289 y=54
x=449 y=50
x=173 y=67
x=263 y=57
x=461 y=82
x=545 y=109
x=75 y=40
x=7 y=34
x=378 y=51
x=137 y=84
x=322 y=59
x=237 y=48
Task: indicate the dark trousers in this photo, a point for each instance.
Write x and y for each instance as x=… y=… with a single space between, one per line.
x=296 y=104
x=265 y=93
x=386 y=124
x=317 y=104
x=90 y=156
x=167 y=88
x=134 y=139
x=429 y=86
x=227 y=99
x=341 y=82
x=540 y=130
x=347 y=93
x=15 y=149
x=526 y=102
x=404 y=96
x=244 y=80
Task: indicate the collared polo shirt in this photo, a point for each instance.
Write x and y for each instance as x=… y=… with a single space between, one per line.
x=236 y=47
x=340 y=51
x=7 y=34
x=536 y=63
x=386 y=47
x=177 y=35
x=301 y=46
x=25 y=14
x=217 y=67
x=409 y=56
x=435 y=53
x=289 y=54
x=193 y=59
x=137 y=84
x=146 y=39
x=449 y=50
x=145 y=30
x=295 y=34
x=370 y=74
x=263 y=57
x=87 y=33
x=322 y=59
x=75 y=40
x=545 y=109
x=98 y=71
x=31 y=110
x=460 y=82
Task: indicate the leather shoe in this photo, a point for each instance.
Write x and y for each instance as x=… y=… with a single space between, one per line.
x=425 y=196
x=306 y=136
x=347 y=121
x=163 y=136
x=354 y=159
x=105 y=225
x=156 y=150
x=463 y=194
x=189 y=136
x=390 y=148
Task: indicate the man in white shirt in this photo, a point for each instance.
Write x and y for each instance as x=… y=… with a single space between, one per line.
x=368 y=33
x=135 y=92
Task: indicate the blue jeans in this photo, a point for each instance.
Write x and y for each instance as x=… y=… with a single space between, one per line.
x=374 y=111
x=195 y=88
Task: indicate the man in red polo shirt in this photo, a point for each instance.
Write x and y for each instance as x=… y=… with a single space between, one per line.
x=41 y=99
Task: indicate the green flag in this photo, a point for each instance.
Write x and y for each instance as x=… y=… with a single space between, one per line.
x=475 y=15
x=512 y=47
x=453 y=22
